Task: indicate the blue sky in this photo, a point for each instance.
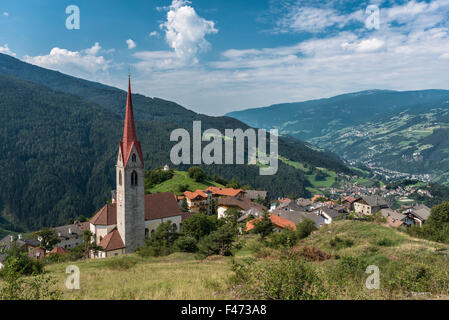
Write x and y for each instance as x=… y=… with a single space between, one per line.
x=217 y=56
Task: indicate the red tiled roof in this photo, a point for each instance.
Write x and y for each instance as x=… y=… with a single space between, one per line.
x=276 y=220
x=106 y=216
x=112 y=241
x=193 y=195
x=161 y=205
x=349 y=199
x=59 y=251
x=231 y=192
x=129 y=131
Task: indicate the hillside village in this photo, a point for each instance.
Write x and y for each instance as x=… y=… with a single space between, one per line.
x=133 y=215
x=284 y=213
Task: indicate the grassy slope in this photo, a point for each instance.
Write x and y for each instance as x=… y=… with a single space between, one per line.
x=182 y=178
x=180 y=276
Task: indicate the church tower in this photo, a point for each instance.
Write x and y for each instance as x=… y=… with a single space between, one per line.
x=130 y=184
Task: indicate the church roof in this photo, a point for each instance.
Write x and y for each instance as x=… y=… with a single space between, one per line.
x=161 y=205
x=129 y=131
x=106 y=216
x=112 y=241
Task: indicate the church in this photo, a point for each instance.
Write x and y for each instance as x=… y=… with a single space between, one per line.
x=121 y=226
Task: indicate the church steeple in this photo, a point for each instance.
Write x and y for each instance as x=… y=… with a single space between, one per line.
x=129 y=131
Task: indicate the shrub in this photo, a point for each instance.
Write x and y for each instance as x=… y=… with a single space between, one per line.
x=122 y=263
x=218 y=242
x=287 y=279
x=186 y=244
x=264 y=226
x=338 y=243
x=40 y=287
x=305 y=228
x=18 y=262
x=284 y=239
x=199 y=225
x=385 y=242
x=197 y=174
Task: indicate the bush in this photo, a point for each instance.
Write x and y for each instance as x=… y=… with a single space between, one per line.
x=199 y=225
x=264 y=226
x=338 y=243
x=287 y=279
x=284 y=239
x=218 y=242
x=197 y=174
x=385 y=242
x=38 y=288
x=18 y=262
x=186 y=244
x=305 y=228
x=122 y=263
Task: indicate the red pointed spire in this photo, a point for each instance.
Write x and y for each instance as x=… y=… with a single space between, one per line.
x=129 y=131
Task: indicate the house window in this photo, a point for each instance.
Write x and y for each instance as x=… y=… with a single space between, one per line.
x=147 y=232
x=133 y=157
x=134 y=178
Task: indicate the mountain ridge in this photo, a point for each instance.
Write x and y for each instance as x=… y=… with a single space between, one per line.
x=58 y=148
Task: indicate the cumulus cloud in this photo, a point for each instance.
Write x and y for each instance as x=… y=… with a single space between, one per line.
x=79 y=63
x=6 y=50
x=131 y=44
x=154 y=34
x=406 y=53
x=6 y=14
x=185 y=31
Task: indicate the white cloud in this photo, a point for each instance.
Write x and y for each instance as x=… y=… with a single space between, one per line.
x=131 y=44
x=185 y=31
x=94 y=49
x=83 y=63
x=6 y=50
x=412 y=54
x=154 y=34
x=6 y=14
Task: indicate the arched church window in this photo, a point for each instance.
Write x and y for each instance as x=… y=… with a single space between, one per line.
x=120 y=178
x=133 y=157
x=134 y=178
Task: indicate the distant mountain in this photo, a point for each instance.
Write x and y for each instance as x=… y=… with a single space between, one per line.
x=401 y=131
x=59 y=138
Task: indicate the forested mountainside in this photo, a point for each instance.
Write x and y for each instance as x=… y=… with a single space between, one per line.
x=59 y=148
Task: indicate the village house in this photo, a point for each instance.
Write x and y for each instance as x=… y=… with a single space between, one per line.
x=394 y=219
x=331 y=214
x=255 y=195
x=207 y=200
x=299 y=216
x=280 y=202
x=241 y=204
x=71 y=235
x=417 y=214
x=369 y=204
